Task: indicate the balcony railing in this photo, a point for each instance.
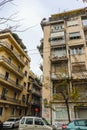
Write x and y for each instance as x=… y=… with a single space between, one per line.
x=79 y=74
x=10 y=82
x=57 y=76
x=35 y=102
x=58 y=59
x=38 y=93
x=57 y=43
x=12 y=100
x=2 y=58
x=5 y=44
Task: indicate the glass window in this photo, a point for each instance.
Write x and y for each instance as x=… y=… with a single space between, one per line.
x=38 y=122
x=1 y=110
x=22 y=121
x=29 y=121
x=13 y=111
x=80 y=123
x=61 y=113
x=76 y=50
x=6 y=76
x=74 y=35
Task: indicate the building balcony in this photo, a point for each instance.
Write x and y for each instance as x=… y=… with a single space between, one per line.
x=59 y=76
x=9 y=65
x=10 y=83
x=7 y=47
x=10 y=100
x=35 y=92
x=79 y=74
x=57 y=59
x=35 y=102
x=40 y=47
x=57 y=43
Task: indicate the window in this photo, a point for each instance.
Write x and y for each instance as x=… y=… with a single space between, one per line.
x=20 y=112
x=9 y=60
x=76 y=50
x=61 y=113
x=74 y=35
x=4 y=92
x=17 y=81
x=56 y=38
x=72 y=23
x=1 y=110
x=15 y=95
x=13 y=111
x=29 y=121
x=23 y=98
x=11 y=47
x=38 y=122
x=56 y=28
x=6 y=76
x=26 y=73
x=81 y=123
x=24 y=84
x=26 y=62
x=22 y=121
x=19 y=68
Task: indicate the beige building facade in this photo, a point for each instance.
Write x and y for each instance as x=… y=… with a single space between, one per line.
x=64 y=52
x=14 y=77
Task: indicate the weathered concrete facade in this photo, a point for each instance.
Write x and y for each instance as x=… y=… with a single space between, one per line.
x=64 y=52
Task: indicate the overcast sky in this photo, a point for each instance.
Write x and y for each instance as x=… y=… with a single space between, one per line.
x=32 y=12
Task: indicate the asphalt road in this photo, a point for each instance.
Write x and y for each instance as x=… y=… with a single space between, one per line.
x=11 y=129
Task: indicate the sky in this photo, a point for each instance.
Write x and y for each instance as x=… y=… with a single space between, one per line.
x=28 y=14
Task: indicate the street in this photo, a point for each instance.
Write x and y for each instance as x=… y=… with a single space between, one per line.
x=11 y=129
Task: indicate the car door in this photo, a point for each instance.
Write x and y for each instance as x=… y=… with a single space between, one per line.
x=81 y=125
x=39 y=124
x=16 y=122
x=29 y=124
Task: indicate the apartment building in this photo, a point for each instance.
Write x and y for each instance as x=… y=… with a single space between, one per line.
x=64 y=52
x=14 y=76
x=35 y=95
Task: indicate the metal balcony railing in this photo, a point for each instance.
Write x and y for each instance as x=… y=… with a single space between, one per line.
x=5 y=44
x=35 y=102
x=11 y=82
x=57 y=76
x=2 y=58
x=58 y=59
x=13 y=100
x=36 y=92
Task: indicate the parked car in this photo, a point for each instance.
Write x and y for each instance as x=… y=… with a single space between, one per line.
x=34 y=123
x=11 y=122
x=58 y=125
x=80 y=124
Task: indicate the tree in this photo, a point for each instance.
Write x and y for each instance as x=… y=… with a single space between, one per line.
x=63 y=93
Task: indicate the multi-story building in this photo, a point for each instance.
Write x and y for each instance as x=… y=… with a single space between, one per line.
x=14 y=76
x=35 y=95
x=64 y=52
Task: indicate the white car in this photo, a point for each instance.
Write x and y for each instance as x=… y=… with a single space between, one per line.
x=11 y=123
x=34 y=123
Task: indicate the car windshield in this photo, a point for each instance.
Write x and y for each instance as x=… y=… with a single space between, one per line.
x=11 y=120
x=45 y=121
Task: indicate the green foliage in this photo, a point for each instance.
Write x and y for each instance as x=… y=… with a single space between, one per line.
x=16 y=37
x=63 y=92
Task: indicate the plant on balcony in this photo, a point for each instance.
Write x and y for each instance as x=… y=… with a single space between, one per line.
x=19 y=41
